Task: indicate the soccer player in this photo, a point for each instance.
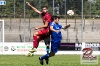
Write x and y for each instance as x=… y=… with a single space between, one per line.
x=45 y=29
x=56 y=37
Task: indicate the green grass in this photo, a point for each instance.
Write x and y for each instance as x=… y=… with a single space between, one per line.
x=58 y=60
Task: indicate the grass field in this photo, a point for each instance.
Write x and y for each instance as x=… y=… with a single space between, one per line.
x=58 y=60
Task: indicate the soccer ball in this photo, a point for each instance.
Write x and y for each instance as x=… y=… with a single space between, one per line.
x=30 y=55
x=70 y=12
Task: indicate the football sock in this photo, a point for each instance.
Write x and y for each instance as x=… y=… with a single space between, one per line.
x=47 y=49
x=35 y=43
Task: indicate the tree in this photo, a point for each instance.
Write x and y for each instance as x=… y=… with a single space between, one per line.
x=75 y=5
x=97 y=6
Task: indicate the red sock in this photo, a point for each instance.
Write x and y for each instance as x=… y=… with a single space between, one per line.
x=35 y=42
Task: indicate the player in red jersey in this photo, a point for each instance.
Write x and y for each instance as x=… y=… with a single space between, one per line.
x=45 y=29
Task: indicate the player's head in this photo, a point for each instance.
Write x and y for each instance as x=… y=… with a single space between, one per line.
x=55 y=19
x=44 y=9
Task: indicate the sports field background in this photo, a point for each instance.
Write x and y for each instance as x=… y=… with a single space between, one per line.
x=58 y=60
x=15 y=17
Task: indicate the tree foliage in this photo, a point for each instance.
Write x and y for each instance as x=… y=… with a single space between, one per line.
x=75 y=5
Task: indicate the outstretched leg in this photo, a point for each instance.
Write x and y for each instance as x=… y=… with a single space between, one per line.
x=46 y=57
x=35 y=42
x=54 y=49
x=37 y=36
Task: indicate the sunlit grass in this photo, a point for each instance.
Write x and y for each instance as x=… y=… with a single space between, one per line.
x=58 y=60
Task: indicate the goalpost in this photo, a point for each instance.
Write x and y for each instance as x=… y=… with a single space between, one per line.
x=2 y=32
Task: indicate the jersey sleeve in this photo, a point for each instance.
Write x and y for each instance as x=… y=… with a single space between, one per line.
x=51 y=24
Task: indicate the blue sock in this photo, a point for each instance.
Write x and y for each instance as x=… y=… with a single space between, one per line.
x=47 y=49
x=44 y=56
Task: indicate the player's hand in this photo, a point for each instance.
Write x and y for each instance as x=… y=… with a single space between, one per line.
x=28 y=3
x=36 y=28
x=57 y=31
x=67 y=26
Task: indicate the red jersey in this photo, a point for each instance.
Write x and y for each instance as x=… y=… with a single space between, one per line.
x=46 y=17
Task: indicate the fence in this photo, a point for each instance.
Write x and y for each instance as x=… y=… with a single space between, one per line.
x=15 y=27
x=19 y=22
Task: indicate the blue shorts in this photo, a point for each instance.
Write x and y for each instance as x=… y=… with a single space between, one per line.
x=55 y=46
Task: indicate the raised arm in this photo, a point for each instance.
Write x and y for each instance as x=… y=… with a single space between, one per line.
x=36 y=10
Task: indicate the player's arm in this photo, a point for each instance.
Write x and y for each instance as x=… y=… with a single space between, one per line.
x=52 y=29
x=46 y=23
x=36 y=10
x=43 y=26
x=65 y=27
